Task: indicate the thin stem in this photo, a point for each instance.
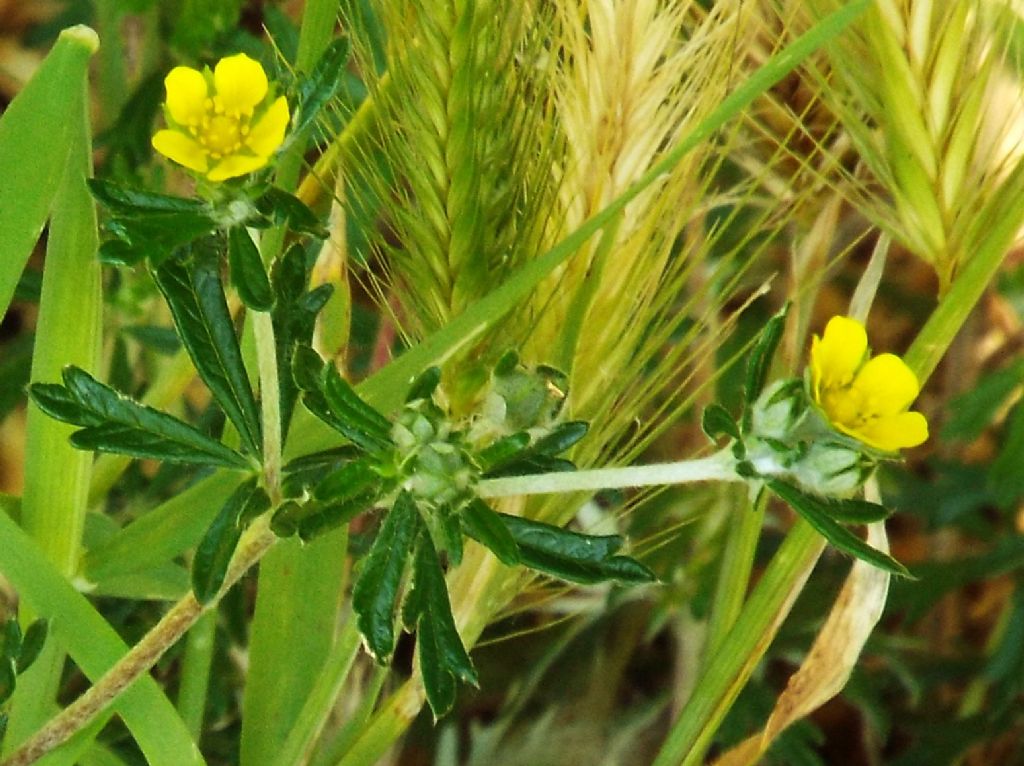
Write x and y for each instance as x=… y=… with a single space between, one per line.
x=182 y=616
x=717 y=467
x=270 y=401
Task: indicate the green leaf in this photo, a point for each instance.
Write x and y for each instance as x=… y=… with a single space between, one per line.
x=336 y=403
x=348 y=480
x=294 y=317
x=210 y=565
x=375 y=595
x=717 y=421
x=487 y=528
x=38 y=130
x=7 y=681
x=137 y=203
x=442 y=656
x=816 y=513
x=855 y=511
x=572 y=556
x=561 y=438
x=11 y=642
x=114 y=423
x=195 y=295
x=340 y=496
x=322 y=85
x=32 y=644
x=424 y=385
x=759 y=363
x=247 y=272
x=153 y=238
x=283 y=207
x=502 y=451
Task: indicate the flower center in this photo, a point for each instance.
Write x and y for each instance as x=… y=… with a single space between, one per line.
x=222 y=134
x=848 y=406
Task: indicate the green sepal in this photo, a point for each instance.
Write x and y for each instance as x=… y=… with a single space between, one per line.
x=759 y=362
x=213 y=555
x=114 y=423
x=32 y=644
x=375 y=595
x=442 y=657
x=818 y=513
x=195 y=295
x=424 y=385
x=716 y=422
x=284 y=208
x=486 y=527
x=571 y=556
x=321 y=86
x=247 y=272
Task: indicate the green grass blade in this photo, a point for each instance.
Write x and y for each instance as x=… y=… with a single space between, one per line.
x=69 y=331
x=95 y=646
x=292 y=636
x=37 y=132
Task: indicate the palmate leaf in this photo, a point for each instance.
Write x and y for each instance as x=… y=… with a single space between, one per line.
x=539 y=457
x=375 y=595
x=486 y=527
x=247 y=272
x=329 y=397
x=213 y=555
x=571 y=556
x=819 y=514
x=443 y=659
x=114 y=423
x=195 y=295
x=294 y=317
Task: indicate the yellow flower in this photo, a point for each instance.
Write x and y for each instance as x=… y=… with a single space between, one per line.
x=865 y=397
x=219 y=125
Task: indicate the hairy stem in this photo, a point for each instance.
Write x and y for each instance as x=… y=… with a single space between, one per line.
x=717 y=467
x=182 y=616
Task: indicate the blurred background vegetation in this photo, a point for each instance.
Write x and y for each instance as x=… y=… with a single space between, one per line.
x=793 y=202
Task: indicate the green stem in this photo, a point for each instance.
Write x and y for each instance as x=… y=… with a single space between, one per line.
x=195 y=673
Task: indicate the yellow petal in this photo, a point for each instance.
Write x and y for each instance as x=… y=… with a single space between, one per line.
x=907 y=429
x=837 y=355
x=181 y=148
x=241 y=83
x=236 y=165
x=887 y=385
x=268 y=132
x=186 y=95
